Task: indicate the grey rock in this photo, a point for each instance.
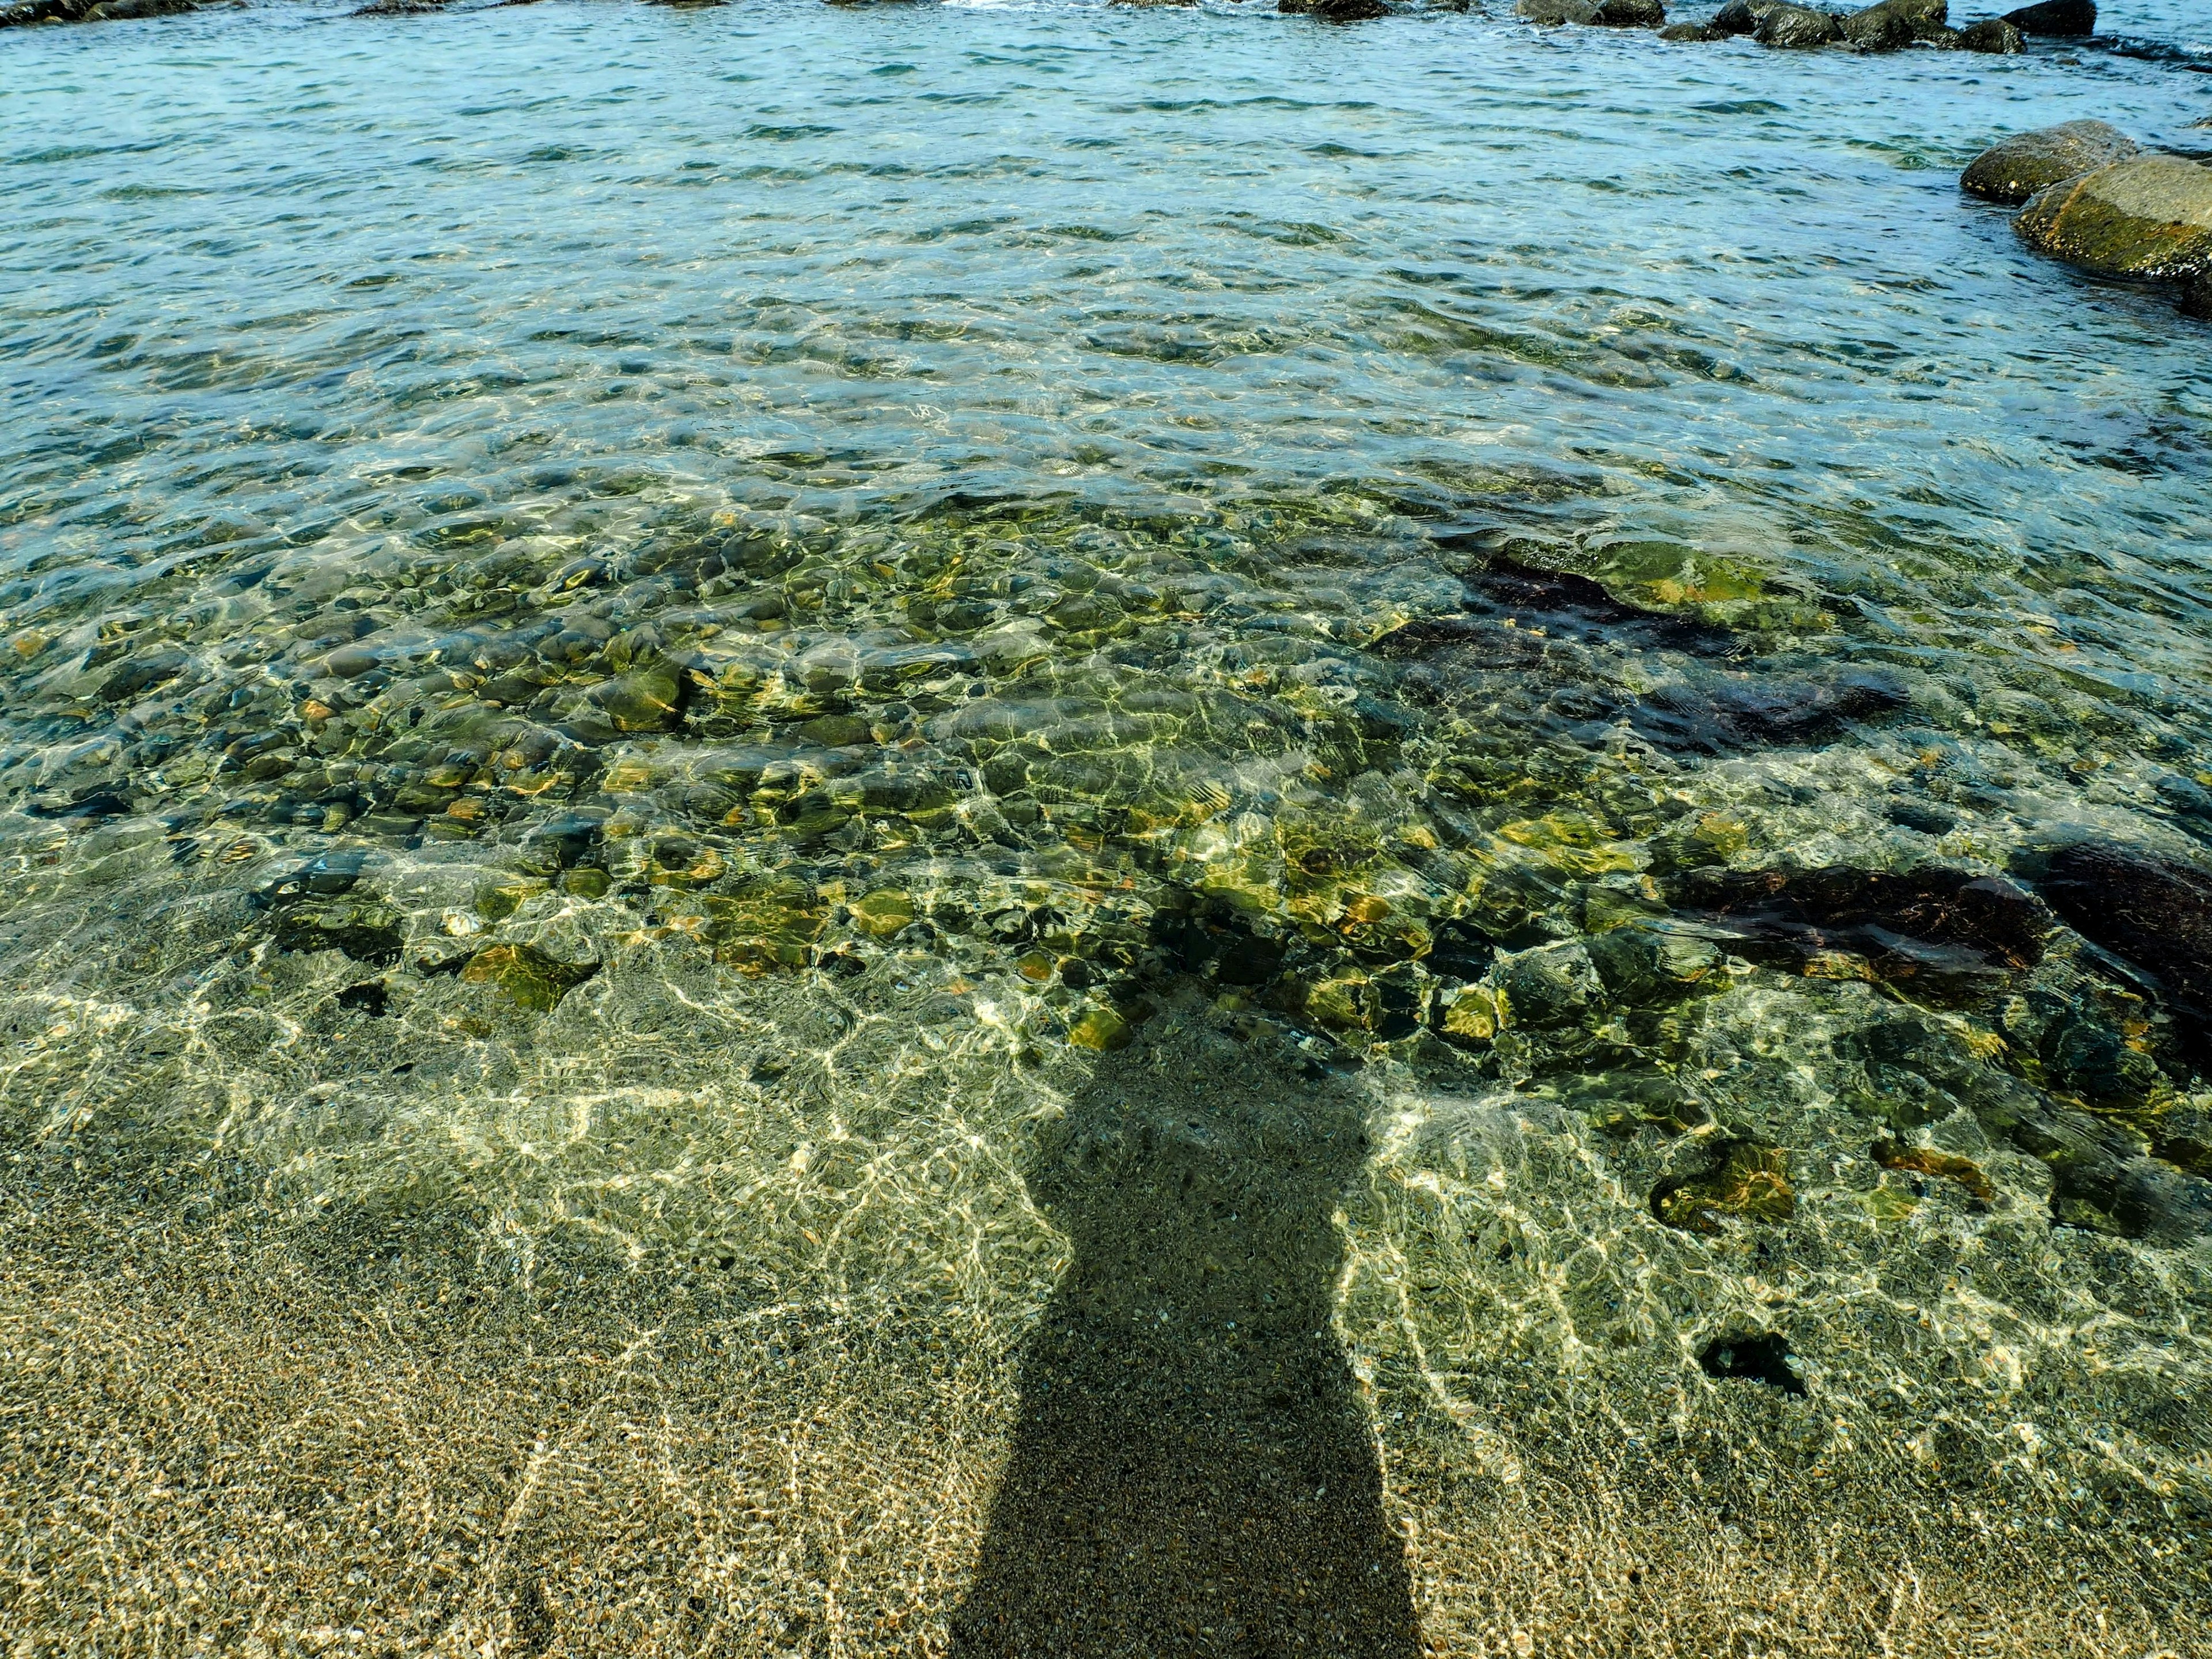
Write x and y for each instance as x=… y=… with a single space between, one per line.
x=1550 y=14
x=2149 y=215
x=2015 y=169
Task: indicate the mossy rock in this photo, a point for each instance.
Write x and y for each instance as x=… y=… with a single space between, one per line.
x=2027 y=163
x=365 y=930
x=1746 y=1180
x=648 y=698
x=530 y=978
x=769 y=928
x=2149 y=215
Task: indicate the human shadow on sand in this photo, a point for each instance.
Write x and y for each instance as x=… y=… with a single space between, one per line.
x=1192 y=1472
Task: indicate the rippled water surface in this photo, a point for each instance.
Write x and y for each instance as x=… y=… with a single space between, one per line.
x=1013 y=762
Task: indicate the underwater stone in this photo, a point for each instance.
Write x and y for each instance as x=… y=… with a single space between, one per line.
x=1926 y=1160
x=1745 y=1179
x=880 y=914
x=1712 y=715
x=1648 y=963
x=648 y=698
x=2148 y=216
x=1946 y=933
x=531 y=978
x=837 y=731
x=2183 y=1138
x=2152 y=911
x=1101 y=1030
x=1756 y=1358
x=368 y=932
x=1548 y=988
x=770 y=927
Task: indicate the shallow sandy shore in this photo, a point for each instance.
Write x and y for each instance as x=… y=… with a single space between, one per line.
x=353 y=1439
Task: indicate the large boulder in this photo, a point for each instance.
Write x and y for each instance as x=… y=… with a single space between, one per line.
x=2197 y=298
x=2055 y=17
x=2149 y=215
x=1797 y=26
x=89 y=11
x=1892 y=25
x=1991 y=34
x=2013 y=169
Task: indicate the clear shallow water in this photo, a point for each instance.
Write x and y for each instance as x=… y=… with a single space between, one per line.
x=808 y=574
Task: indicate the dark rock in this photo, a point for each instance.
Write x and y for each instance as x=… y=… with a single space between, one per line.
x=2154 y=913
x=1563 y=603
x=401 y=7
x=332 y=875
x=2197 y=298
x=1550 y=14
x=2131 y=1198
x=89 y=11
x=1552 y=986
x=1630 y=13
x=1715 y=714
x=1992 y=35
x=1745 y=1179
x=1892 y=25
x=1921 y=816
x=1753 y=1359
x=1949 y=935
x=369 y=998
x=2184 y=1139
x=1655 y=962
x=1741 y=16
x=2055 y=17
x=367 y=930
x=1336 y=12
x=143 y=673
x=2015 y=169
x=1693 y=32
x=528 y=975
x=1797 y=26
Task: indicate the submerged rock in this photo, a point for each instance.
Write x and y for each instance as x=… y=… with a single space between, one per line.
x=530 y=977
x=1926 y=1160
x=367 y=930
x=1993 y=36
x=1948 y=934
x=2153 y=912
x=1754 y=1359
x=1797 y=26
x=2015 y=169
x=1693 y=32
x=2061 y=17
x=2149 y=215
x=1336 y=12
x=1892 y=25
x=1715 y=714
x=1746 y=1180
x=2197 y=299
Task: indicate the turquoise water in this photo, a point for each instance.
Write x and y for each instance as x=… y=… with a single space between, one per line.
x=662 y=632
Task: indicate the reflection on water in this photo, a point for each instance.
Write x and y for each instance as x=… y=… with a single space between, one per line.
x=1193 y=1471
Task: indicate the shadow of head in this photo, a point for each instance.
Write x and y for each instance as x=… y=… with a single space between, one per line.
x=1192 y=1471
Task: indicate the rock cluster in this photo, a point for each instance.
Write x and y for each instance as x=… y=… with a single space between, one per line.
x=88 y=11
x=1885 y=26
x=2095 y=200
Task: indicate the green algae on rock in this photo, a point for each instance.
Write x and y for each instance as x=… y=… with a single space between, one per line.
x=1745 y=1180
x=2146 y=216
x=2015 y=169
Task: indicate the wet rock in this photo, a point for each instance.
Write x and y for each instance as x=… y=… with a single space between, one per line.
x=648 y=698
x=1927 y=1161
x=528 y=976
x=365 y=930
x=331 y=875
x=1646 y=963
x=402 y=7
x=142 y=673
x=2060 y=17
x=880 y=914
x=369 y=997
x=1992 y=35
x=1949 y=935
x=1796 y=27
x=1892 y=25
x=2197 y=298
x=1693 y=32
x=1716 y=714
x=1630 y=13
x=1754 y=1359
x=1101 y=1030
x=2149 y=215
x=2153 y=912
x=90 y=11
x=1336 y=12
x=2015 y=169
x=1621 y=1102
x=1550 y=14
x=2132 y=1197
x=1550 y=988
x=1743 y=16
x=768 y=926
x=1746 y=1180
x=2183 y=1138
